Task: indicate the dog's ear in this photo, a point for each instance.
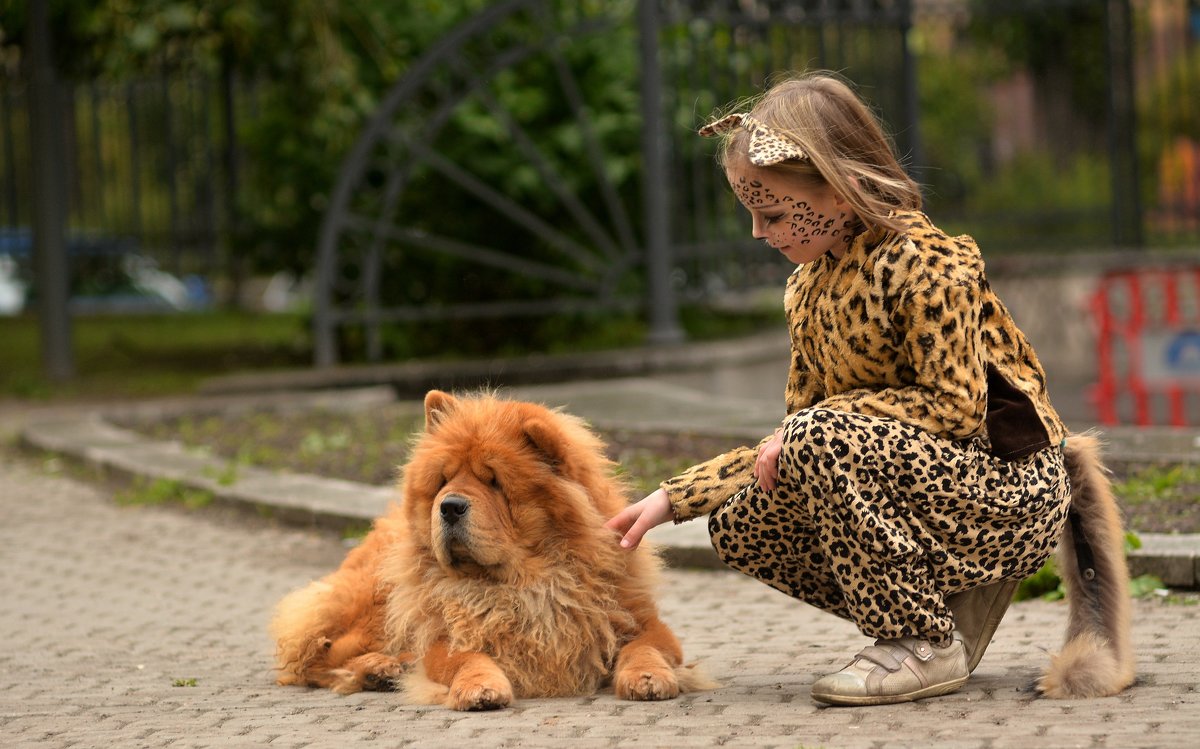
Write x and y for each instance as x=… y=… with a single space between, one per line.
x=549 y=440
x=437 y=406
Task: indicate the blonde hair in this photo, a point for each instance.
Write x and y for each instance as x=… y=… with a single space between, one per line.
x=845 y=144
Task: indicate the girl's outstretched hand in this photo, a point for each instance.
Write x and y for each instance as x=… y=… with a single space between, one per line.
x=639 y=517
x=766 y=466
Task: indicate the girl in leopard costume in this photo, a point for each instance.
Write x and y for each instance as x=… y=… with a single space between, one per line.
x=921 y=471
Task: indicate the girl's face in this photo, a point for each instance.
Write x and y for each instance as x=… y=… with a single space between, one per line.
x=799 y=220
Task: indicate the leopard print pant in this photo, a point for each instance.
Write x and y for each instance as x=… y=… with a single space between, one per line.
x=878 y=521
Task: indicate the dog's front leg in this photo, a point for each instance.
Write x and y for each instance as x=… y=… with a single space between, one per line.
x=474 y=679
x=646 y=665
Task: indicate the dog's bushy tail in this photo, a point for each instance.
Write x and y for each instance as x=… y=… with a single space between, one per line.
x=693 y=677
x=1097 y=658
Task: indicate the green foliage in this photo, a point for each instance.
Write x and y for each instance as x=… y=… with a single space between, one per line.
x=1169 y=102
x=1144 y=585
x=1044 y=584
x=1048 y=585
x=1061 y=44
x=554 y=334
x=184 y=683
x=353 y=533
x=153 y=355
x=1056 y=201
x=1035 y=181
x=1170 y=133
x=956 y=122
x=322 y=70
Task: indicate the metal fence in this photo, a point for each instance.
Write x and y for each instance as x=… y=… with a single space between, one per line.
x=1049 y=125
x=1053 y=126
x=715 y=52
x=150 y=163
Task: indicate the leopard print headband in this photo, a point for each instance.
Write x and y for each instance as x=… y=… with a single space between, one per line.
x=767 y=147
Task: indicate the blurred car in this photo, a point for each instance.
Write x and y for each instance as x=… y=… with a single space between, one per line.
x=108 y=274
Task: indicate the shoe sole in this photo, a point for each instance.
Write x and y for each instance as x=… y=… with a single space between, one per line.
x=935 y=690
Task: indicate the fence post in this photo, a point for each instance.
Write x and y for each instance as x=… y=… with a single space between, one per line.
x=51 y=270
x=235 y=263
x=664 y=316
x=912 y=99
x=1122 y=142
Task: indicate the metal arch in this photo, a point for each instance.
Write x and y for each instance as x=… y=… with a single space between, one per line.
x=602 y=249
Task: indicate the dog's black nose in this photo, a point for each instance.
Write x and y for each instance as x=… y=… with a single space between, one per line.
x=453 y=508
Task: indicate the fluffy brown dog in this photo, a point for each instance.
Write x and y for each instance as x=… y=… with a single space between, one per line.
x=494 y=574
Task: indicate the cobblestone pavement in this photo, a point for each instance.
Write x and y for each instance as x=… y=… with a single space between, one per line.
x=109 y=612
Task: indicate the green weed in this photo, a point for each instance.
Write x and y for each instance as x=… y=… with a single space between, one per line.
x=1181 y=599
x=226 y=475
x=163 y=491
x=318 y=443
x=1048 y=585
x=355 y=531
x=1159 y=482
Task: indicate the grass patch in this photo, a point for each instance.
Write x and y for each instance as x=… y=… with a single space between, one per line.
x=184 y=683
x=1180 y=598
x=163 y=491
x=149 y=355
x=355 y=532
x=1157 y=483
x=144 y=355
x=369 y=446
x=1161 y=498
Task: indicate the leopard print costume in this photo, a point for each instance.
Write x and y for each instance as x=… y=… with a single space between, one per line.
x=921 y=453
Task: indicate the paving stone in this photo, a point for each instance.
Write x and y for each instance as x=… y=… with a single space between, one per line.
x=105 y=607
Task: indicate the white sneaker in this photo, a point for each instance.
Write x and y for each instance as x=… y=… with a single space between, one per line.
x=896 y=671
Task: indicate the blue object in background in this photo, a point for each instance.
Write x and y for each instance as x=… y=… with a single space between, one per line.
x=108 y=274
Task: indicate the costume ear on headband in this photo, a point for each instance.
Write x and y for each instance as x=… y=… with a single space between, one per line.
x=767 y=147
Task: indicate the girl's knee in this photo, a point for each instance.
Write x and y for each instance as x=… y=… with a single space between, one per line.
x=818 y=444
x=817 y=426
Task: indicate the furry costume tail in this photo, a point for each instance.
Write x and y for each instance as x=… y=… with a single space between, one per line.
x=1097 y=658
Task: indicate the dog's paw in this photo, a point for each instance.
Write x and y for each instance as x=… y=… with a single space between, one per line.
x=647 y=684
x=381 y=673
x=345 y=681
x=373 y=672
x=480 y=696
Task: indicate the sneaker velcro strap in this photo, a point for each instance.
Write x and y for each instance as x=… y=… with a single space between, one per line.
x=881 y=656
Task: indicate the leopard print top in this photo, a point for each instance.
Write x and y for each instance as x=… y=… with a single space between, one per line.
x=904 y=325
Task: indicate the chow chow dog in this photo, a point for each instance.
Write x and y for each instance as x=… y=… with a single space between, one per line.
x=493 y=578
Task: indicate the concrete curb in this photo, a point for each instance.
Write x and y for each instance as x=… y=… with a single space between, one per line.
x=415 y=378
x=93 y=439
